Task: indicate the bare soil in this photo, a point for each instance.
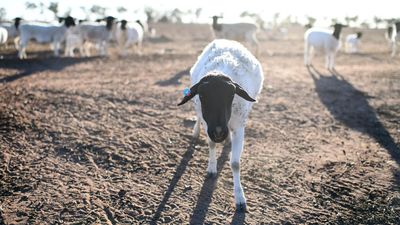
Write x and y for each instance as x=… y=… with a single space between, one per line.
x=101 y=140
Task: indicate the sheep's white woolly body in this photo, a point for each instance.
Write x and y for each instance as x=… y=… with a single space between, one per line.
x=231 y=59
x=320 y=40
x=3 y=35
x=352 y=42
x=133 y=34
x=235 y=61
x=42 y=33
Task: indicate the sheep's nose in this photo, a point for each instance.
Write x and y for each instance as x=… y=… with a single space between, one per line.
x=218 y=132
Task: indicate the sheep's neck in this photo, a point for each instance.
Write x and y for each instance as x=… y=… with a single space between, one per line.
x=217 y=27
x=336 y=33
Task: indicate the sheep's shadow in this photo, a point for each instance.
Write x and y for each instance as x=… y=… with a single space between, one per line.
x=175 y=79
x=205 y=196
x=32 y=66
x=187 y=156
x=350 y=106
x=207 y=190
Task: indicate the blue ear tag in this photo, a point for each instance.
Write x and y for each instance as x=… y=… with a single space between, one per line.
x=186 y=92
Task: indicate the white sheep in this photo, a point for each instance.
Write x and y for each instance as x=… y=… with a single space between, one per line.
x=12 y=30
x=243 y=32
x=322 y=40
x=388 y=35
x=98 y=34
x=3 y=35
x=226 y=80
x=128 y=34
x=395 y=40
x=353 y=42
x=74 y=40
x=43 y=33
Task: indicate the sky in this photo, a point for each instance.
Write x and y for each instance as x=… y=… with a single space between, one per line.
x=323 y=10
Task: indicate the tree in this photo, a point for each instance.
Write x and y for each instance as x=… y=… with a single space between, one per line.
x=2 y=13
x=98 y=10
x=347 y=19
x=86 y=12
x=311 y=20
x=198 y=12
x=377 y=21
x=121 y=9
x=54 y=8
x=176 y=15
x=30 y=5
x=150 y=14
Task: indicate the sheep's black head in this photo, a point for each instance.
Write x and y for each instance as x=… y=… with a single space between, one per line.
x=216 y=94
x=337 y=29
x=68 y=21
x=215 y=24
x=109 y=22
x=17 y=21
x=123 y=24
x=359 y=35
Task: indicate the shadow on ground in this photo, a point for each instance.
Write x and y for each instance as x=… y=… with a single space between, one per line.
x=32 y=66
x=350 y=106
x=174 y=80
x=209 y=185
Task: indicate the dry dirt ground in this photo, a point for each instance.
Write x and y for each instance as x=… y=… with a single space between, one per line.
x=101 y=140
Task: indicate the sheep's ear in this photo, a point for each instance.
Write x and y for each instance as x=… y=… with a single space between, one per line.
x=193 y=92
x=242 y=93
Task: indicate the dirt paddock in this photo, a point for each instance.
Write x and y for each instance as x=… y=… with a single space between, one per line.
x=101 y=141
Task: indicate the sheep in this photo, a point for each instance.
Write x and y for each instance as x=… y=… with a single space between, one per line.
x=43 y=33
x=12 y=30
x=352 y=42
x=73 y=40
x=3 y=35
x=128 y=34
x=98 y=34
x=244 y=32
x=388 y=35
x=395 y=40
x=322 y=40
x=225 y=68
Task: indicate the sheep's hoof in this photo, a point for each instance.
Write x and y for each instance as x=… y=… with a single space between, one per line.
x=241 y=207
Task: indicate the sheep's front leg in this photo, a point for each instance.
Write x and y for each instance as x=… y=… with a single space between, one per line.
x=237 y=147
x=332 y=61
x=196 y=129
x=212 y=160
x=56 y=46
x=328 y=61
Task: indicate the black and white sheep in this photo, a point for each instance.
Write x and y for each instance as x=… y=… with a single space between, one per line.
x=97 y=34
x=226 y=80
x=243 y=32
x=128 y=34
x=395 y=39
x=322 y=40
x=353 y=42
x=12 y=30
x=43 y=33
